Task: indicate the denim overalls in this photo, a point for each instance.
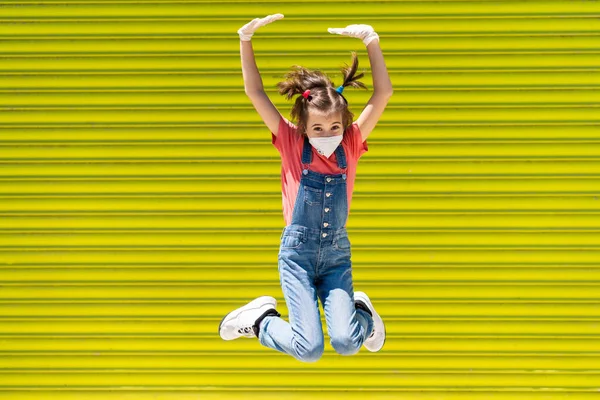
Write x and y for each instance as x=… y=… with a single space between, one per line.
x=314 y=260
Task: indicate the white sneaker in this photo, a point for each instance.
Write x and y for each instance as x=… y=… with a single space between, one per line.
x=377 y=338
x=241 y=321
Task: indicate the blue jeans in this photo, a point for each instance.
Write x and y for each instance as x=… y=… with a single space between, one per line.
x=308 y=268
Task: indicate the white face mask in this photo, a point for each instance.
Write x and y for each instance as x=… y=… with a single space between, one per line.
x=326 y=145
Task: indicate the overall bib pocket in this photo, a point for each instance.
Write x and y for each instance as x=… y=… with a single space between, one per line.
x=312 y=196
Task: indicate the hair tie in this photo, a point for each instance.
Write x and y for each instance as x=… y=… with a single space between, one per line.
x=306 y=93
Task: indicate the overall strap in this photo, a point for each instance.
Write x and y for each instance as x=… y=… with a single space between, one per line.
x=340 y=156
x=306 y=155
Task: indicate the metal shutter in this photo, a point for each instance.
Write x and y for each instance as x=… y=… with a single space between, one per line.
x=140 y=199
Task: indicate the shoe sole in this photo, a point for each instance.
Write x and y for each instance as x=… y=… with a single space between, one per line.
x=260 y=302
x=365 y=299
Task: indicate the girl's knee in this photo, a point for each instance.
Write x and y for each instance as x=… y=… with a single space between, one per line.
x=344 y=345
x=310 y=354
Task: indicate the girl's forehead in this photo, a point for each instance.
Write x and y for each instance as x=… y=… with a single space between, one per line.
x=324 y=117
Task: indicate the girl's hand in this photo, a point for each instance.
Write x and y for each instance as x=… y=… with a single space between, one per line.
x=359 y=31
x=247 y=30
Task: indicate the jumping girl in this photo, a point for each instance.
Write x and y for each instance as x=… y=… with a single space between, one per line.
x=319 y=157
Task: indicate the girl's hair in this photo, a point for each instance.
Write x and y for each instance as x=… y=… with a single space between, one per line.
x=323 y=98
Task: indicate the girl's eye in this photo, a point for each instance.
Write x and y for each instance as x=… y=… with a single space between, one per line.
x=319 y=129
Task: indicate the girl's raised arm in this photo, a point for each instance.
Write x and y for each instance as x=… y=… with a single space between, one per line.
x=382 y=85
x=253 y=85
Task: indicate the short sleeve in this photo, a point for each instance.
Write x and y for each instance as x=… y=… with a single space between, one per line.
x=357 y=146
x=286 y=136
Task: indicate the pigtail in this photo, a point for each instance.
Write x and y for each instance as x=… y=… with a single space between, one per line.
x=350 y=79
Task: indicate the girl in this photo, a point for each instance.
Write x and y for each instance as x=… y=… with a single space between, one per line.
x=319 y=159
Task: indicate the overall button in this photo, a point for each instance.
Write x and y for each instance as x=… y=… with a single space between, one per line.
x=324 y=234
x=327 y=194
x=328 y=179
x=325 y=224
x=326 y=209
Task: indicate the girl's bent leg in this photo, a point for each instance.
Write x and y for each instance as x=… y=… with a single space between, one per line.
x=348 y=327
x=302 y=337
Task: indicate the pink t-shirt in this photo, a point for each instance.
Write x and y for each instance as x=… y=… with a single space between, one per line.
x=289 y=143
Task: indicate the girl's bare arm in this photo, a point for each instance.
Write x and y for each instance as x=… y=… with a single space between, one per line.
x=253 y=85
x=252 y=80
x=381 y=77
x=254 y=89
x=382 y=91
x=382 y=86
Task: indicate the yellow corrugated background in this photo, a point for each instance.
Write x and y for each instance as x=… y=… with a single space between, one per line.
x=140 y=199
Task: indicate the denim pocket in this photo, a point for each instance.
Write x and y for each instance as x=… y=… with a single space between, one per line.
x=290 y=242
x=342 y=242
x=292 y=238
x=312 y=196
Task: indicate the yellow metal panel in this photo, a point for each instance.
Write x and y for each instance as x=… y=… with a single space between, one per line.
x=140 y=199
